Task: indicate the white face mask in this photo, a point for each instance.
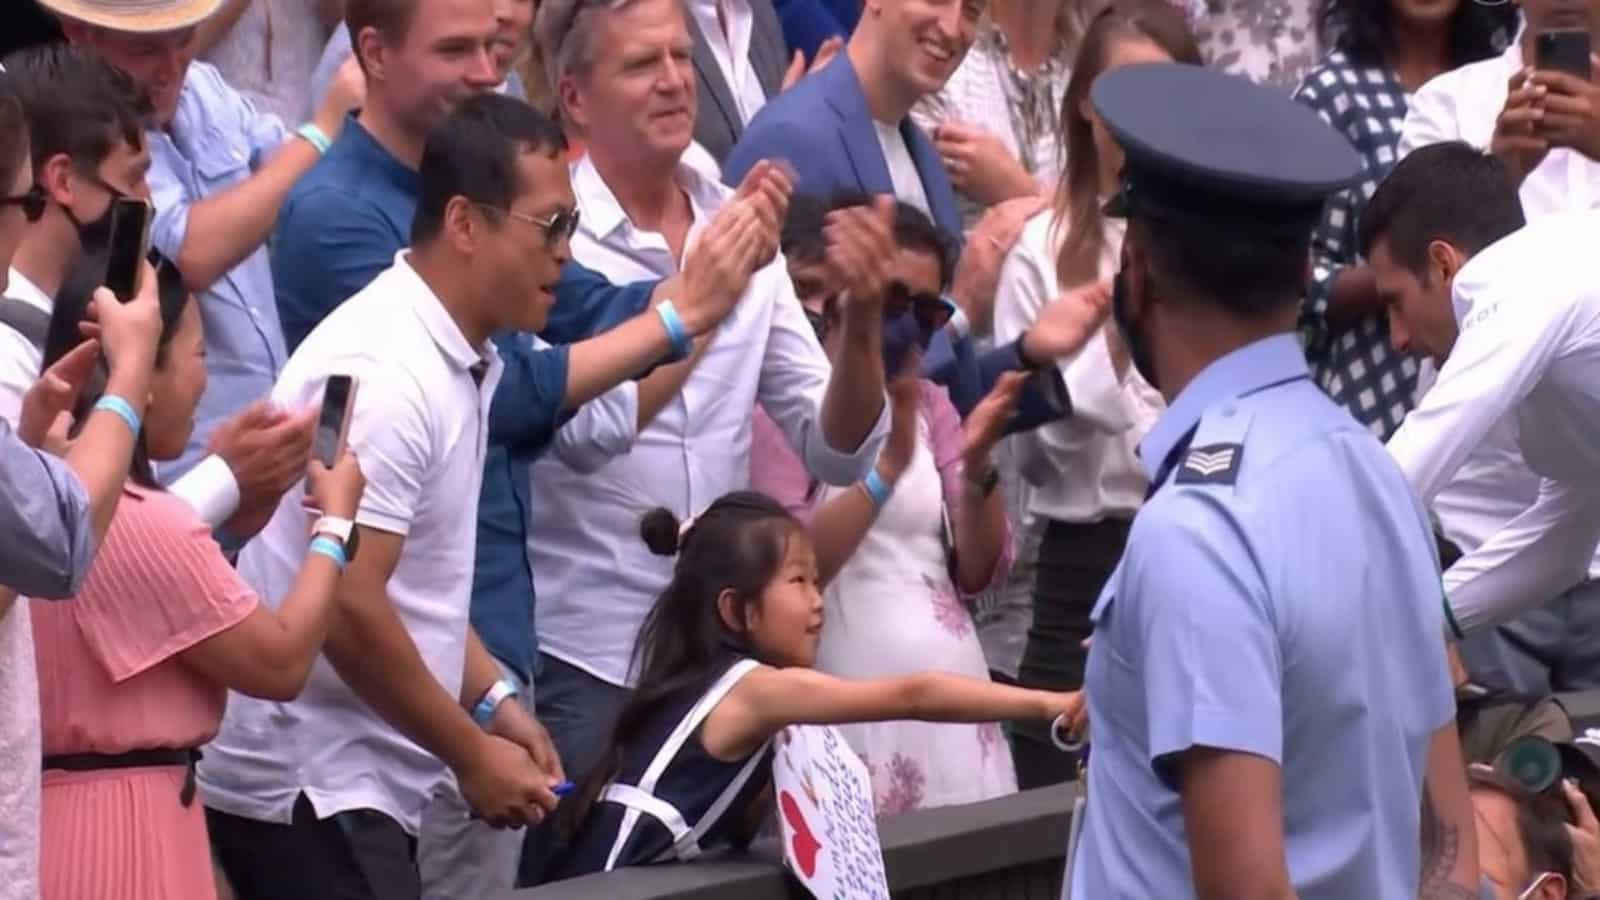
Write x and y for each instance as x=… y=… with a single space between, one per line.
x=1535 y=886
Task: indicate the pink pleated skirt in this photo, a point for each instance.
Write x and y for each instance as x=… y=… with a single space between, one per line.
x=122 y=834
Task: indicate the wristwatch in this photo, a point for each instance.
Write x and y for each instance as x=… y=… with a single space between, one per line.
x=342 y=530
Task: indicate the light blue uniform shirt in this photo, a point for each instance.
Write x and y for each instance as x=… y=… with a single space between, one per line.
x=1279 y=596
x=217 y=140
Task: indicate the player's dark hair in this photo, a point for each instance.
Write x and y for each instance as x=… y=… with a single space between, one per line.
x=1450 y=192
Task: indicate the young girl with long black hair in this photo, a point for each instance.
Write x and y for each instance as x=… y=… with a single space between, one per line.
x=723 y=663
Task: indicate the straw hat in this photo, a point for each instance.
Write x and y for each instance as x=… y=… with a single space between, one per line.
x=135 y=16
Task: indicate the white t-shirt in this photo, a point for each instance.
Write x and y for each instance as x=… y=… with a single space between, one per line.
x=902 y=168
x=419 y=428
x=19 y=358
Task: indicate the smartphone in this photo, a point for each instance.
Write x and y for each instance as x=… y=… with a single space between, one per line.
x=333 y=424
x=130 y=244
x=1563 y=50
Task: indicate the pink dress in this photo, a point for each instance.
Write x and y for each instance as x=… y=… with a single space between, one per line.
x=110 y=682
x=893 y=609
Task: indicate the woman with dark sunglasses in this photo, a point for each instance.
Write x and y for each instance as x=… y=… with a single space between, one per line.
x=903 y=553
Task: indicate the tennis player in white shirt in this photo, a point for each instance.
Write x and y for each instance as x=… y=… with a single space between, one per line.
x=1511 y=315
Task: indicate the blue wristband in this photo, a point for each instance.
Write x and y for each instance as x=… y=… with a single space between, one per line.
x=877 y=489
x=330 y=548
x=492 y=698
x=682 y=344
x=111 y=403
x=315 y=137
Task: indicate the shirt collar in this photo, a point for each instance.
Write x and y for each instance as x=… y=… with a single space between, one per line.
x=445 y=332
x=18 y=287
x=602 y=214
x=1267 y=361
x=359 y=143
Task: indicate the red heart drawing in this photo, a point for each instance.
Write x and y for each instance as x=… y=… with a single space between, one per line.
x=806 y=846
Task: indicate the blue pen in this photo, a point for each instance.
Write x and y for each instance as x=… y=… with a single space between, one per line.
x=563 y=789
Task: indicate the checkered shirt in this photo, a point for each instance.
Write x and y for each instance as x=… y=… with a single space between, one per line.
x=1355 y=364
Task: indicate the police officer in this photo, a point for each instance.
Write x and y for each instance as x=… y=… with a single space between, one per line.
x=1267 y=684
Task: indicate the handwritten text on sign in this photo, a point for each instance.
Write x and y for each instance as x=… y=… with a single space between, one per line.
x=830 y=835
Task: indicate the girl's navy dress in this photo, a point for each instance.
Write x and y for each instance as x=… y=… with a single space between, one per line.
x=671 y=800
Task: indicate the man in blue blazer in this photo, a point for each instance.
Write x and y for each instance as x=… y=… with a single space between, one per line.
x=840 y=127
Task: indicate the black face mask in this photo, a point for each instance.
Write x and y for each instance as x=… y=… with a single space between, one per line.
x=95 y=235
x=1138 y=350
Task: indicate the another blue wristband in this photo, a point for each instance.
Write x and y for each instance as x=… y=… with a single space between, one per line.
x=682 y=344
x=111 y=403
x=491 y=700
x=330 y=548
x=315 y=137
x=877 y=489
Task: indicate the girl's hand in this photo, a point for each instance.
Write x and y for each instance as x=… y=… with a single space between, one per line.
x=1070 y=712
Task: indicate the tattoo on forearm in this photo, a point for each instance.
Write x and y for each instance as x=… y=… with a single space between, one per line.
x=1441 y=846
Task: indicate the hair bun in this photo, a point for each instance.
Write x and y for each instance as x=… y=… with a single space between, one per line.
x=659 y=528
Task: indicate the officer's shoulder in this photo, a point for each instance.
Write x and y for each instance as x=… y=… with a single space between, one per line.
x=1216 y=455
x=1247 y=441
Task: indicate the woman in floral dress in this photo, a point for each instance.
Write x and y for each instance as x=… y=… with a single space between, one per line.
x=903 y=553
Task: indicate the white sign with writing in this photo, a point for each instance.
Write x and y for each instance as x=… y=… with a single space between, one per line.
x=830 y=833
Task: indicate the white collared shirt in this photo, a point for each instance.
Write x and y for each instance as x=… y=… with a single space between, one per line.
x=419 y=428
x=1084 y=468
x=19 y=358
x=595 y=577
x=1493 y=485
x=1463 y=104
x=731 y=49
x=1527 y=358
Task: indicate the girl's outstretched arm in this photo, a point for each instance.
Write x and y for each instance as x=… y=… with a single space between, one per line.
x=768 y=699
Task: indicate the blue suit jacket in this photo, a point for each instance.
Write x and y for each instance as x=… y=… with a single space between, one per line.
x=822 y=128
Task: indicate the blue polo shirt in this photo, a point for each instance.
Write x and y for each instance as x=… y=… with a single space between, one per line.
x=342 y=224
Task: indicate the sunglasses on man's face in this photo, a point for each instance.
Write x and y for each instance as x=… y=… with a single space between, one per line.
x=933 y=312
x=557 y=227
x=33 y=202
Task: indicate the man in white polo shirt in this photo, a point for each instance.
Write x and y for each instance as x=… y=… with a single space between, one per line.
x=323 y=795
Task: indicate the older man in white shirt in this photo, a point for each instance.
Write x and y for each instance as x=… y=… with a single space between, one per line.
x=1555 y=165
x=1511 y=314
x=634 y=107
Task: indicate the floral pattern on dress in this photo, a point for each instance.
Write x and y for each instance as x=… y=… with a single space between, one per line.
x=990 y=739
x=903 y=792
x=948 y=609
x=1269 y=41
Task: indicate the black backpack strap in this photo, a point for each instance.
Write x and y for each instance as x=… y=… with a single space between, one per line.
x=26 y=319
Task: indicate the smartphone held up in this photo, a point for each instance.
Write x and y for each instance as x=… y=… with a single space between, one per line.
x=333 y=422
x=130 y=245
x=1564 y=50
